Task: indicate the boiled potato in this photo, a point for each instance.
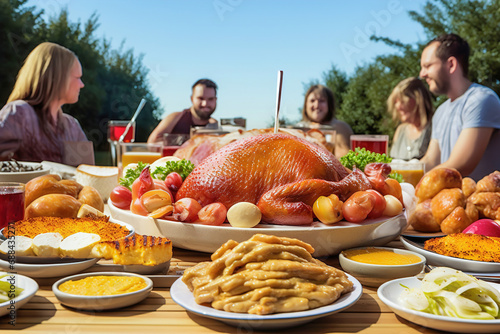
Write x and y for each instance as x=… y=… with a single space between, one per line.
x=244 y=214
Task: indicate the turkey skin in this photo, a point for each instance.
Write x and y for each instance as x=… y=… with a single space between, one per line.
x=282 y=174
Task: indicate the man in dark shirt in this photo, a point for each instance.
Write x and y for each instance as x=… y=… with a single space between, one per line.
x=204 y=102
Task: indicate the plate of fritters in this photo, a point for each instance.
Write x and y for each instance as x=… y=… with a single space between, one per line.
x=433 y=258
x=326 y=239
x=266 y=282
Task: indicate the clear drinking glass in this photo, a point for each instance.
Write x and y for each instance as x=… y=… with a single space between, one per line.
x=129 y=153
x=172 y=141
x=115 y=131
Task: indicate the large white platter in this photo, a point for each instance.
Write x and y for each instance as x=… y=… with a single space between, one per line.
x=48 y=270
x=436 y=259
x=30 y=288
x=326 y=240
x=389 y=293
x=181 y=295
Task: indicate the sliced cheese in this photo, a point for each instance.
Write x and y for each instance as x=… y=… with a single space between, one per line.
x=104 y=179
x=21 y=245
x=78 y=245
x=47 y=244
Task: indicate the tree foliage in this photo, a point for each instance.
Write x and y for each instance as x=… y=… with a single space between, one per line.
x=363 y=97
x=115 y=80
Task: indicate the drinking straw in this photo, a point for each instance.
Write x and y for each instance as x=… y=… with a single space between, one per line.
x=139 y=108
x=278 y=100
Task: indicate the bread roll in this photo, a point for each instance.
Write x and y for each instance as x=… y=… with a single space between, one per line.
x=436 y=180
x=456 y=221
x=445 y=202
x=91 y=196
x=53 y=205
x=422 y=219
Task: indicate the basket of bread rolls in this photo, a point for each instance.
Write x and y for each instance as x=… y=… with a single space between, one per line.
x=449 y=203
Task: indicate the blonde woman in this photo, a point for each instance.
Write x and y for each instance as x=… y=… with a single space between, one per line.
x=32 y=124
x=319 y=112
x=411 y=104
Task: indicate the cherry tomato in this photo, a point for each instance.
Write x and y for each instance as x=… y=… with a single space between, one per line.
x=186 y=210
x=357 y=207
x=121 y=197
x=212 y=214
x=328 y=209
x=380 y=204
x=173 y=181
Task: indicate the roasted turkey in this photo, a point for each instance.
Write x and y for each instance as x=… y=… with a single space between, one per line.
x=282 y=174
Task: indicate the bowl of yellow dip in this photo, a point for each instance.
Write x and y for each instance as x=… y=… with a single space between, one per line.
x=102 y=290
x=373 y=266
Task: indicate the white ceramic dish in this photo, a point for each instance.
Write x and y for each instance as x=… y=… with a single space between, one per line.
x=375 y=274
x=48 y=270
x=24 y=177
x=182 y=296
x=30 y=288
x=389 y=293
x=100 y=303
x=452 y=262
x=326 y=240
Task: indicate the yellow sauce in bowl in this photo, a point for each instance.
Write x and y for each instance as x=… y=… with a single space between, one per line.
x=372 y=255
x=103 y=285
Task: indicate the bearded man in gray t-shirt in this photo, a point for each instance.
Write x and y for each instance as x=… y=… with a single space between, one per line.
x=465 y=128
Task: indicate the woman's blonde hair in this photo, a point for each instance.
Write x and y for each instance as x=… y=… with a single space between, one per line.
x=326 y=93
x=43 y=79
x=412 y=88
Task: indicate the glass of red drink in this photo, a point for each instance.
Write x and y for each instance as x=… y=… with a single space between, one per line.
x=115 y=131
x=373 y=143
x=11 y=203
x=171 y=142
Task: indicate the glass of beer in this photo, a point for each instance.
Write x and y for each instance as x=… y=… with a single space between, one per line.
x=411 y=171
x=11 y=203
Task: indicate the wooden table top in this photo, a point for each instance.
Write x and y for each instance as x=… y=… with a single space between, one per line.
x=159 y=313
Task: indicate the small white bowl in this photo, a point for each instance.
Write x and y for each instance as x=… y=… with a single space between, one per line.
x=100 y=303
x=24 y=177
x=374 y=275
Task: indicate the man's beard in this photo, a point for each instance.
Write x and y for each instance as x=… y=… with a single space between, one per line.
x=442 y=84
x=205 y=116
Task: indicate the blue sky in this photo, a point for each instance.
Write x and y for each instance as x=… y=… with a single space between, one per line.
x=241 y=44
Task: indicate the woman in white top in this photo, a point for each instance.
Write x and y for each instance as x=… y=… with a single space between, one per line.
x=411 y=104
x=32 y=124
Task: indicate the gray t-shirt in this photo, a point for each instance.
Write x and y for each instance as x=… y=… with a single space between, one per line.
x=22 y=138
x=478 y=107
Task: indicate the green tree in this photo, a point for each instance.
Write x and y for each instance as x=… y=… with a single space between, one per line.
x=18 y=36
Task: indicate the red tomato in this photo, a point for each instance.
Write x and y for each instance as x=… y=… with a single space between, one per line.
x=173 y=181
x=121 y=197
x=380 y=203
x=186 y=210
x=212 y=214
x=357 y=207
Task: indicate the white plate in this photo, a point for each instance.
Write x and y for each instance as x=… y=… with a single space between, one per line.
x=24 y=177
x=436 y=259
x=30 y=288
x=182 y=296
x=389 y=293
x=100 y=303
x=48 y=270
x=326 y=240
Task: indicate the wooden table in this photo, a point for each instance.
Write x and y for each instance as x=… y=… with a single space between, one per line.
x=159 y=314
